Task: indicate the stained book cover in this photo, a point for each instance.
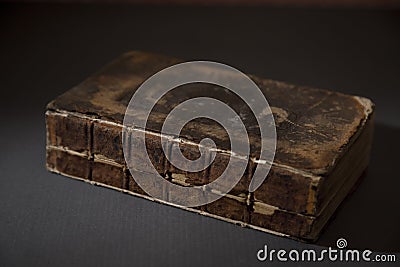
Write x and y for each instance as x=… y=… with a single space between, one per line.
x=322 y=148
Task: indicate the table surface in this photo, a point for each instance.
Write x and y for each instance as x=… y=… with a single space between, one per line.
x=47 y=219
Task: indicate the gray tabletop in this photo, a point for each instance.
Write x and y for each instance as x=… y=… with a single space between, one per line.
x=47 y=219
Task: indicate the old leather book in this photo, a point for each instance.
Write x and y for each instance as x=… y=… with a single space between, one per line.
x=323 y=146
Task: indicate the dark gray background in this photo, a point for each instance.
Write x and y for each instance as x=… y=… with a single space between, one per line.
x=47 y=219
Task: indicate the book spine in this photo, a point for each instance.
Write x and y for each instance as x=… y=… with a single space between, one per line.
x=91 y=149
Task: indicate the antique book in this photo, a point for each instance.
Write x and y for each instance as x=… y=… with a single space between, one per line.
x=322 y=150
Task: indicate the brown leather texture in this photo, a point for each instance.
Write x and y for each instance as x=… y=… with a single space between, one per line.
x=315 y=129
